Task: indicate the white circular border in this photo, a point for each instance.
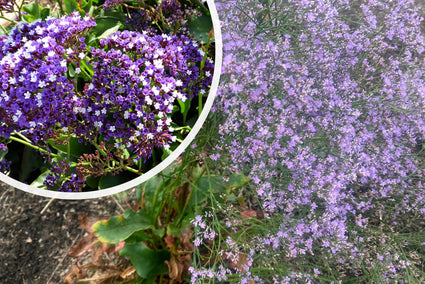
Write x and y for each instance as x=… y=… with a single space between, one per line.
x=174 y=155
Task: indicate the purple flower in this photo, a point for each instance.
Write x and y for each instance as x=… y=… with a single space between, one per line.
x=7 y=5
x=323 y=114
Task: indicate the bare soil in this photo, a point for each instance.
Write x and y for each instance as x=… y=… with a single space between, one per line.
x=34 y=245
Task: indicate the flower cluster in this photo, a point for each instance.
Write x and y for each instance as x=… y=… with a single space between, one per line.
x=7 y=5
x=325 y=107
x=54 y=180
x=137 y=79
x=111 y=3
x=122 y=91
x=169 y=15
x=35 y=93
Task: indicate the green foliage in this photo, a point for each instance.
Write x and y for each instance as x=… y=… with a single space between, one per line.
x=119 y=228
x=109 y=180
x=200 y=28
x=148 y=263
x=71 y=146
x=32 y=12
x=167 y=203
x=70 y=6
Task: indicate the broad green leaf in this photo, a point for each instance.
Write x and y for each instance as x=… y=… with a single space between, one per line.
x=147 y=262
x=87 y=69
x=77 y=149
x=201 y=190
x=137 y=237
x=149 y=188
x=31 y=9
x=108 y=20
x=71 y=71
x=159 y=232
x=184 y=108
x=29 y=18
x=87 y=5
x=119 y=228
x=70 y=6
x=236 y=180
x=93 y=182
x=213 y=184
x=112 y=180
x=45 y=13
x=38 y=182
x=200 y=28
x=31 y=160
x=110 y=31
x=31 y=12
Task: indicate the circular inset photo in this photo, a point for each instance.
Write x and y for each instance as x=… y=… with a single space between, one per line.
x=97 y=97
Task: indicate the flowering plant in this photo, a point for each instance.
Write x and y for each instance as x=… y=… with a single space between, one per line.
x=324 y=111
x=91 y=98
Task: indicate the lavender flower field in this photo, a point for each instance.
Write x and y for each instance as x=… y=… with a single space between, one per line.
x=310 y=167
x=324 y=112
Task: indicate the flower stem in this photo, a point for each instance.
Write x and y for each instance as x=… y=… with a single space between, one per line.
x=37 y=8
x=10 y=20
x=60 y=7
x=130 y=169
x=32 y=146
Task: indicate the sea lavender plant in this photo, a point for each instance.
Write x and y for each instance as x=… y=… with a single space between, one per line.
x=119 y=98
x=35 y=92
x=139 y=78
x=169 y=16
x=324 y=103
x=111 y=3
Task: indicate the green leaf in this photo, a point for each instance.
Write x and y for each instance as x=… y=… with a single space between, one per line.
x=31 y=12
x=112 y=180
x=87 y=5
x=166 y=153
x=184 y=108
x=86 y=68
x=200 y=28
x=77 y=149
x=236 y=180
x=201 y=190
x=149 y=187
x=71 y=71
x=45 y=13
x=137 y=237
x=159 y=232
x=3 y=153
x=93 y=182
x=31 y=160
x=119 y=228
x=30 y=9
x=108 y=20
x=110 y=31
x=213 y=184
x=147 y=262
x=38 y=182
x=70 y=6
